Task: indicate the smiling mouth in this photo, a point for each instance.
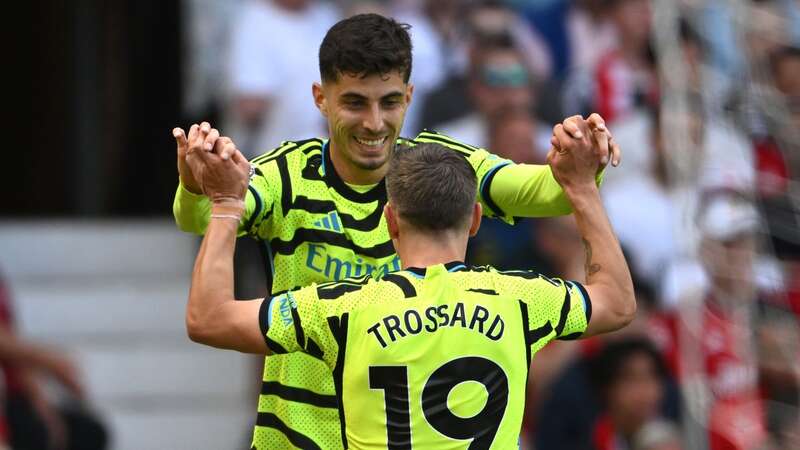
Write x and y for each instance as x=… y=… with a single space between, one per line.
x=371 y=142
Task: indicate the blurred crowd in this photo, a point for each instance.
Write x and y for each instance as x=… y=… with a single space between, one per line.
x=704 y=98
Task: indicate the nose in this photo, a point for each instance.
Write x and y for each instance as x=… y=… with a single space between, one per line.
x=373 y=119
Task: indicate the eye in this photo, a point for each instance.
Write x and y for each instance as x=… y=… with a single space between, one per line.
x=353 y=103
x=391 y=103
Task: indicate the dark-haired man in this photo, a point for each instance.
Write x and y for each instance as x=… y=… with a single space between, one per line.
x=435 y=355
x=316 y=205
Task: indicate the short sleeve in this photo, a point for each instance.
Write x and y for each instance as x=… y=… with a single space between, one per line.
x=298 y=322
x=291 y=322
x=281 y=325
x=578 y=310
x=556 y=309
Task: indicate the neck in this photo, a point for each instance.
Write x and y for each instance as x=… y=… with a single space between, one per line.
x=418 y=249
x=729 y=293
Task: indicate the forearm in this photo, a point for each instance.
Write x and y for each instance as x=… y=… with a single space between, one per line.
x=191 y=210
x=528 y=190
x=608 y=279
x=19 y=352
x=212 y=278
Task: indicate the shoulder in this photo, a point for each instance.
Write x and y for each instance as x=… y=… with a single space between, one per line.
x=369 y=287
x=430 y=136
x=510 y=279
x=333 y=290
x=290 y=150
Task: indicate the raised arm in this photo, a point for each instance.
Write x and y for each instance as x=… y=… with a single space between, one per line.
x=213 y=316
x=528 y=190
x=191 y=208
x=608 y=280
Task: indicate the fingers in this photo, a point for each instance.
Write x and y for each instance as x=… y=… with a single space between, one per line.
x=550 y=155
x=601 y=138
x=616 y=151
x=194 y=130
x=210 y=139
x=196 y=137
x=238 y=157
x=180 y=139
x=572 y=126
x=561 y=135
x=596 y=122
x=225 y=147
x=202 y=137
x=554 y=142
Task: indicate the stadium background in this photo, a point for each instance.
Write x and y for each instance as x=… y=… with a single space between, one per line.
x=95 y=269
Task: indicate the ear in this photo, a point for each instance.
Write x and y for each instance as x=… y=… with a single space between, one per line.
x=391 y=221
x=319 y=98
x=475 y=224
x=409 y=93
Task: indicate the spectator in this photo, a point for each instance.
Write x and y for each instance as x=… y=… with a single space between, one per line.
x=485 y=21
x=630 y=376
x=625 y=77
x=498 y=243
x=498 y=82
x=273 y=66
x=602 y=401
x=717 y=362
x=657 y=435
x=514 y=133
x=577 y=35
x=719 y=157
x=32 y=421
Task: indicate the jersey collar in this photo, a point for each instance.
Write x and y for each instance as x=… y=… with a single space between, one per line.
x=333 y=180
x=452 y=266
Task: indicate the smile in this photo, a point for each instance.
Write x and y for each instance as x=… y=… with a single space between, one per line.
x=371 y=143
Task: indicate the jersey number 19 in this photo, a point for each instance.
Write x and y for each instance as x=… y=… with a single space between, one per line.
x=481 y=427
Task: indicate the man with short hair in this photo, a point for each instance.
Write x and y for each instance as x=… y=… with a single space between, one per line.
x=316 y=205
x=435 y=355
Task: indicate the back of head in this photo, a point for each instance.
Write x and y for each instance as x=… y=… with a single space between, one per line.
x=365 y=44
x=431 y=187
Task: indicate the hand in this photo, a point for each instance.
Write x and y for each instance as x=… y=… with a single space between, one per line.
x=571 y=157
x=57 y=431
x=220 y=179
x=184 y=171
x=65 y=372
x=604 y=147
x=200 y=136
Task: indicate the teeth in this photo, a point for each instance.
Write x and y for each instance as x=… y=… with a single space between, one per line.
x=372 y=143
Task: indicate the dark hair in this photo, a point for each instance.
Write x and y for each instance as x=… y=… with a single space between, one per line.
x=365 y=44
x=688 y=35
x=780 y=55
x=607 y=366
x=431 y=187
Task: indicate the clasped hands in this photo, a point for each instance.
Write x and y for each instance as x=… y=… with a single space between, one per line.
x=580 y=150
x=212 y=165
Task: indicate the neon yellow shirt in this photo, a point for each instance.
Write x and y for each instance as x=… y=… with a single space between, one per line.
x=434 y=358
x=315 y=229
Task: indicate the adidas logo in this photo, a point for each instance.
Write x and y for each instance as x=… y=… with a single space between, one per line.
x=330 y=222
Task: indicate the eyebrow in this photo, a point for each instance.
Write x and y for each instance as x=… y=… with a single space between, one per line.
x=357 y=96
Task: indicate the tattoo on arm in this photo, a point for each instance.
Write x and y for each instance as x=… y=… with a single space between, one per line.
x=590 y=268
